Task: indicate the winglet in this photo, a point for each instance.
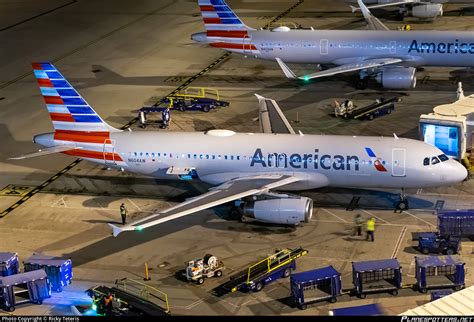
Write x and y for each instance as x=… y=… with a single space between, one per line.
x=286 y=70
x=117 y=230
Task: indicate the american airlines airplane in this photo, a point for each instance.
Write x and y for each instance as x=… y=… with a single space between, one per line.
x=243 y=167
x=391 y=57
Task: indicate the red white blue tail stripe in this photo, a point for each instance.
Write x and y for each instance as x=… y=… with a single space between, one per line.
x=224 y=29
x=74 y=120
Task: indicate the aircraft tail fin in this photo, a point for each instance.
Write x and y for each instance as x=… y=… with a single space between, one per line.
x=218 y=17
x=67 y=108
x=75 y=122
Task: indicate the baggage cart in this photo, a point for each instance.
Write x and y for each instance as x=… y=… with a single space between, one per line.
x=21 y=288
x=59 y=270
x=456 y=223
x=364 y=310
x=439 y=272
x=380 y=107
x=437 y=294
x=316 y=285
x=377 y=276
x=9 y=264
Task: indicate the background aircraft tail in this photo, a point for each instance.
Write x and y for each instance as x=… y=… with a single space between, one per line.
x=219 y=19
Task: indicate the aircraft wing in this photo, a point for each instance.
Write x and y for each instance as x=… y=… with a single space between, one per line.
x=373 y=22
x=46 y=151
x=369 y=63
x=229 y=191
x=271 y=118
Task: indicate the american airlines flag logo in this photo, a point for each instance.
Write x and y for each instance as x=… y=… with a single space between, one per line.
x=378 y=162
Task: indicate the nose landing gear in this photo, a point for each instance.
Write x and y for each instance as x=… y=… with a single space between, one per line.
x=402 y=203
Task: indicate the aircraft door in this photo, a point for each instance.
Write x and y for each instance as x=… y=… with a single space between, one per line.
x=323 y=46
x=398 y=162
x=393 y=47
x=109 y=152
x=247 y=45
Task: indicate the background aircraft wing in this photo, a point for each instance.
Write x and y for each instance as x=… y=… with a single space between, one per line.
x=271 y=118
x=229 y=191
x=369 y=63
x=372 y=22
x=389 y=4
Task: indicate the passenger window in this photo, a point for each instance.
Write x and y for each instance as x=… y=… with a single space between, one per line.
x=232 y=157
x=225 y=157
x=426 y=161
x=200 y=156
x=207 y=156
x=238 y=157
x=195 y=156
x=443 y=157
x=213 y=157
x=434 y=160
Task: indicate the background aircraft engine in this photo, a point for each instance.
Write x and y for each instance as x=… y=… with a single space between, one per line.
x=427 y=10
x=397 y=77
x=288 y=211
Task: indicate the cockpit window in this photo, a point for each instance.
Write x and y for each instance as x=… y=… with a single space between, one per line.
x=434 y=160
x=426 y=161
x=443 y=157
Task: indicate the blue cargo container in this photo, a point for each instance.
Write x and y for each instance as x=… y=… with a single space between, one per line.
x=437 y=294
x=369 y=309
x=24 y=287
x=439 y=272
x=59 y=270
x=377 y=276
x=9 y=264
x=456 y=223
x=315 y=285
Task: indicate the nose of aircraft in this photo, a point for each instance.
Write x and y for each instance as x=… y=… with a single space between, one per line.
x=454 y=171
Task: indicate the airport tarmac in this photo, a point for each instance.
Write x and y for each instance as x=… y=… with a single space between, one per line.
x=122 y=55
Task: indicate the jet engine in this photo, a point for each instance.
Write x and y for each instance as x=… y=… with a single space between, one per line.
x=432 y=10
x=397 y=77
x=288 y=211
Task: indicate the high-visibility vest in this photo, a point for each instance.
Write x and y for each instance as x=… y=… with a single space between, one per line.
x=370 y=225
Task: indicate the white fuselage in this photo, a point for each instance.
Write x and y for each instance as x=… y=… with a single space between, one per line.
x=416 y=48
x=320 y=160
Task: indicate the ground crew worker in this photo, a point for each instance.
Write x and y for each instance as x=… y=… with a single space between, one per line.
x=370 y=228
x=108 y=302
x=165 y=117
x=123 y=213
x=406 y=28
x=358 y=221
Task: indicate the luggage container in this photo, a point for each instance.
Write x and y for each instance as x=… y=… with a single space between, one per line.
x=377 y=276
x=439 y=272
x=59 y=270
x=316 y=285
x=437 y=294
x=9 y=264
x=23 y=288
x=369 y=309
x=457 y=223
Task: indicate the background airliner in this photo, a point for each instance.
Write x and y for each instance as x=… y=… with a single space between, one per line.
x=391 y=57
x=239 y=165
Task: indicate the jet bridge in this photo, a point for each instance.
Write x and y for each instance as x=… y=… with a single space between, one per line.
x=451 y=127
